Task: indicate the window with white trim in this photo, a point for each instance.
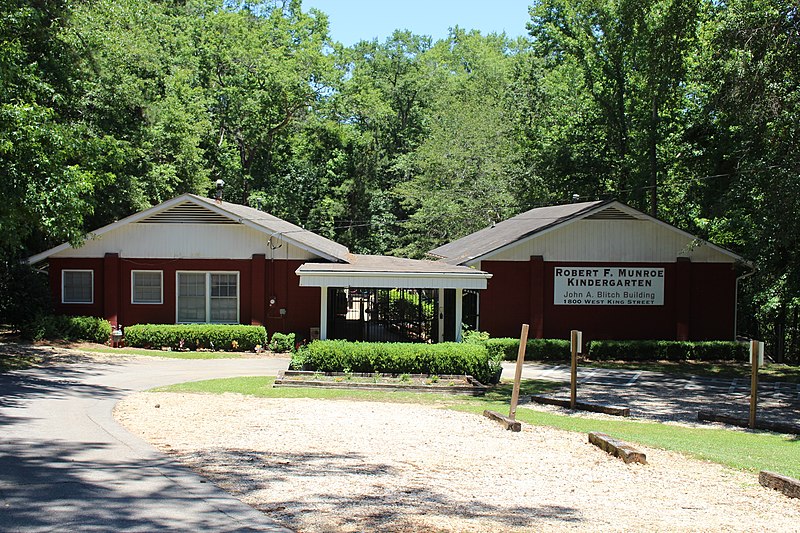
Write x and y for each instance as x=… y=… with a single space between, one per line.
x=208 y=297
x=147 y=286
x=77 y=286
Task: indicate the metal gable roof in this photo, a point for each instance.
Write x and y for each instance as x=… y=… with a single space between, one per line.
x=258 y=220
x=508 y=231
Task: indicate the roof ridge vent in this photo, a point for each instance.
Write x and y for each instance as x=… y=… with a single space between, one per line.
x=187 y=213
x=612 y=213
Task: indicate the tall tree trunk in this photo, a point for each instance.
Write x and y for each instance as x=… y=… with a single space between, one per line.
x=654 y=158
x=780 y=334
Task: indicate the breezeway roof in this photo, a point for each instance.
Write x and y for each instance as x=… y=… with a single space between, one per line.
x=377 y=271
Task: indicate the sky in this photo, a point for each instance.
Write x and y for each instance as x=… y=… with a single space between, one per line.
x=356 y=20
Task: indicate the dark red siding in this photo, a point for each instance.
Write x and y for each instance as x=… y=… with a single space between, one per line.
x=699 y=303
x=259 y=281
x=505 y=304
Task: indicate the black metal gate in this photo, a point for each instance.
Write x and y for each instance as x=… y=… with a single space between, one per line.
x=383 y=315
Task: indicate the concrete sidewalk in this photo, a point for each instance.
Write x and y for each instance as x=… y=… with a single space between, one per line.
x=66 y=465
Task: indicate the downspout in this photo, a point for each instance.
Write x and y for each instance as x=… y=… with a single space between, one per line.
x=736 y=301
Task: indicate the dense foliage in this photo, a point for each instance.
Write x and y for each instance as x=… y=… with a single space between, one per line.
x=688 y=109
x=68 y=328
x=559 y=350
x=196 y=336
x=281 y=342
x=447 y=358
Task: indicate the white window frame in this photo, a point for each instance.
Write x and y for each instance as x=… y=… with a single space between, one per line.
x=63 y=284
x=161 y=287
x=208 y=274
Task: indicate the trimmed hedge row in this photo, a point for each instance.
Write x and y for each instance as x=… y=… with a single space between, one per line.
x=69 y=328
x=233 y=337
x=559 y=350
x=669 y=350
x=535 y=350
x=398 y=358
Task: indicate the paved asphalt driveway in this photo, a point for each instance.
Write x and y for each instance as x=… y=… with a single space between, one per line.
x=664 y=397
x=66 y=465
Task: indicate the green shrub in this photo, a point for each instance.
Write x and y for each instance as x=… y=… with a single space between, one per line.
x=282 y=342
x=398 y=358
x=535 y=349
x=470 y=336
x=229 y=337
x=69 y=328
x=647 y=350
x=24 y=295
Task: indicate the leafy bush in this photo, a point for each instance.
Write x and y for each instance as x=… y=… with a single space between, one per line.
x=405 y=304
x=193 y=336
x=398 y=358
x=24 y=295
x=535 y=350
x=69 y=328
x=282 y=342
x=668 y=350
x=470 y=336
x=559 y=350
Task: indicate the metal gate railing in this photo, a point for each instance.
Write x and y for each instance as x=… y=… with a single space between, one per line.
x=383 y=315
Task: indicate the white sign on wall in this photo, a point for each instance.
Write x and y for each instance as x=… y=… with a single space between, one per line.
x=581 y=285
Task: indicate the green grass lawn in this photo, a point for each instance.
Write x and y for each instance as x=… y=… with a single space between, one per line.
x=99 y=348
x=774 y=372
x=751 y=451
x=20 y=360
x=10 y=361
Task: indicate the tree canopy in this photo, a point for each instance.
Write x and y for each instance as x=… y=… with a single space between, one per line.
x=686 y=109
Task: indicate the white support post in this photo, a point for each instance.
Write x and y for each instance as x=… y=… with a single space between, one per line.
x=323 y=314
x=459 y=312
x=441 y=315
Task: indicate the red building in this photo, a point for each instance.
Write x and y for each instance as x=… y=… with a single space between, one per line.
x=603 y=268
x=195 y=260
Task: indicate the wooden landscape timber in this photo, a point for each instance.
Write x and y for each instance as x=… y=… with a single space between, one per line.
x=508 y=423
x=583 y=406
x=787 y=485
x=777 y=427
x=617 y=448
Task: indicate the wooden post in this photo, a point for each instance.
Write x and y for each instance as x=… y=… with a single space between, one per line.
x=755 y=347
x=523 y=342
x=575 y=346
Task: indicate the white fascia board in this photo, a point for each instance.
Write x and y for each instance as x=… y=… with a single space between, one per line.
x=433 y=280
x=622 y=207
x=111 y=227
x=250 y=224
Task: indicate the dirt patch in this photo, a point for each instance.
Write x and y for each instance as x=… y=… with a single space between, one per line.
x=357 y=466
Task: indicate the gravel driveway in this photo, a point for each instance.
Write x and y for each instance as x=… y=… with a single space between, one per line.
x=354 y=466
